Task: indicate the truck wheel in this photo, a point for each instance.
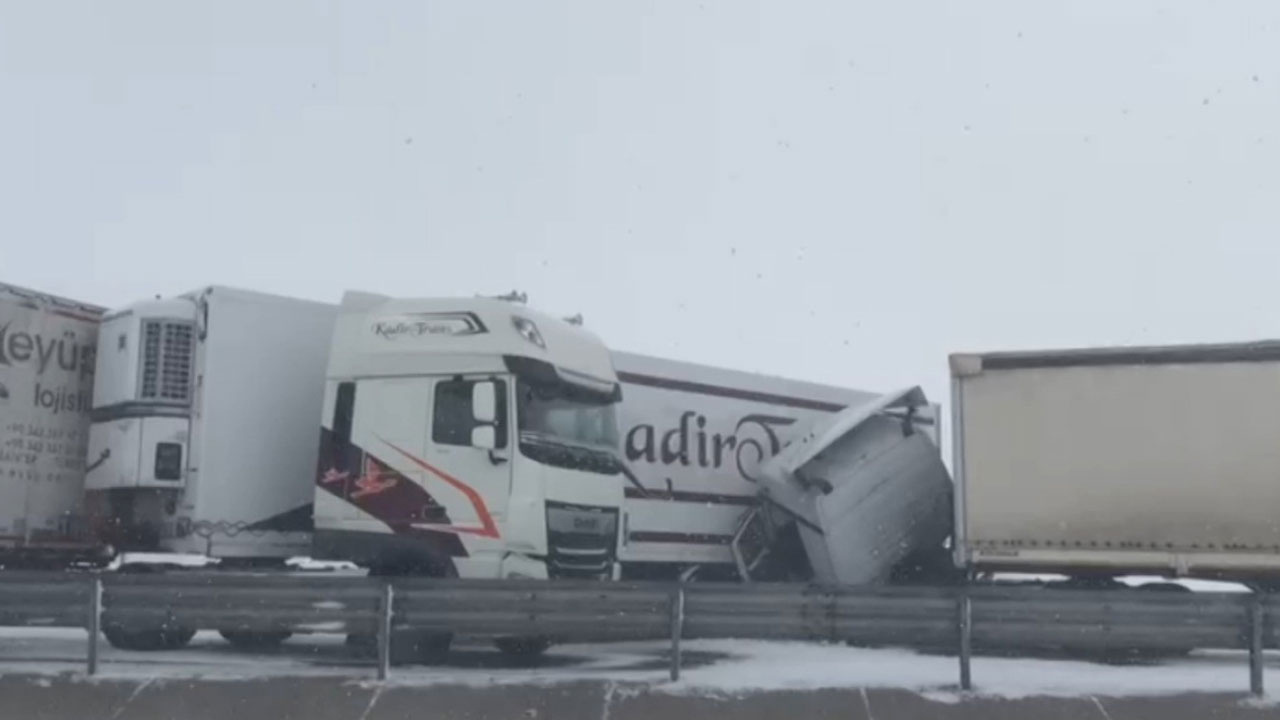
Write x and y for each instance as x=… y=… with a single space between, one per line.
x=176 y=638
x=408 y=647
x=522 y=647
x=252 y=640
x=173 y=638
x=1165 y=587
x=419 y=647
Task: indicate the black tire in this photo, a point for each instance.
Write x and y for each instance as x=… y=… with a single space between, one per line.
x=1165 y=587
x=169 y=638
x=522 y=647
x=255 y=640
x=408 y=647
x=419 y=647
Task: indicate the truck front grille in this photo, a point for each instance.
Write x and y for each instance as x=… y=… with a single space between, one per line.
x=581 y=541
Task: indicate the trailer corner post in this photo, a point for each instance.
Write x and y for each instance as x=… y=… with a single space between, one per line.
x=384 y=630
x=1256 y=619
x=964 y=611
x=94 y=623
x=677 y=629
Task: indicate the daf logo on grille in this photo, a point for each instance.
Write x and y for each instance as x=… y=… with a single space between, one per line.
x=586 y=523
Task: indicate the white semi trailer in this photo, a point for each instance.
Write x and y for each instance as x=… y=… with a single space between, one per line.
x=203 y=439
x=47 y=347
x=1112 y=461
x=199 y=441
x=710 y=448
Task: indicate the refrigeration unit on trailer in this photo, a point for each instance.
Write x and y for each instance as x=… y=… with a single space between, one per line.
x=1104 y=462
x=697 y=438
x=203 y=438
x=47 y=347
x=467 y=437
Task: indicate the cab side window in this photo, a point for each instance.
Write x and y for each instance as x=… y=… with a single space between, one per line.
x=344 y=410
x=452 y=418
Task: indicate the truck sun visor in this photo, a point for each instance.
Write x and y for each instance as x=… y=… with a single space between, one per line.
x=541 y=372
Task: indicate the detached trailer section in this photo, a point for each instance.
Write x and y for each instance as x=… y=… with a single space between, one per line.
x=1158 y=460
x=47 y=349
x=706 y=445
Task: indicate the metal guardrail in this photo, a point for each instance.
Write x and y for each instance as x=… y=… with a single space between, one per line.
x=985 y=618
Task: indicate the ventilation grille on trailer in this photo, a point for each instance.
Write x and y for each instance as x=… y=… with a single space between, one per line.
x=166 y=360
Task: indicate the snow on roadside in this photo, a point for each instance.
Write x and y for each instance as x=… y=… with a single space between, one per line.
x=307 y=563
x=713 y=667
x=1192 y=584
x=760 y=665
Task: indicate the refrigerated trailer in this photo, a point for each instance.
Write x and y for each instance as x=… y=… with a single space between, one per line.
x=203 y=438
x=47 y=346
x=1113 y=461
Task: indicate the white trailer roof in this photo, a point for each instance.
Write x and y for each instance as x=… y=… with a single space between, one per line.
x=963 y=364
x=81 y=310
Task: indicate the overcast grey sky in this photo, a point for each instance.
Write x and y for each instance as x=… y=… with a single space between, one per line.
x=837 y=191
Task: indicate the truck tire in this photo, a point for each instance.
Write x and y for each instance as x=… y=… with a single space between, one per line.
x=170 y=638
x=1165 y=587
x=419 y=647
x=255 y=640
x=408 y=647
x=527 y=647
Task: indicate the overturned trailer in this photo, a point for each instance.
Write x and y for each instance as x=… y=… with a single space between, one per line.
x=757 y=477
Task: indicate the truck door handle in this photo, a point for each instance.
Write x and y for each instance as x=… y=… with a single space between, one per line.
x=497 y=459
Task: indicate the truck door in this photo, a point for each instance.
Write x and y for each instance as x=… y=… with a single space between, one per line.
x=467 y=462
x=389 y=426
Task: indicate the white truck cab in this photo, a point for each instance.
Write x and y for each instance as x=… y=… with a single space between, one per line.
x=470 y=438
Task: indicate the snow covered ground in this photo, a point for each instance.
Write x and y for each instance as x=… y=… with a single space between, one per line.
x=711 y=666
x=1192 y=584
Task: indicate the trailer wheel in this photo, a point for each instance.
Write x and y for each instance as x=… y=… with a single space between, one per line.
x=527 y=647
x=253 y=640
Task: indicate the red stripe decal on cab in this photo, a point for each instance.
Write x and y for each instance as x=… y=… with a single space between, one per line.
x=488 y=528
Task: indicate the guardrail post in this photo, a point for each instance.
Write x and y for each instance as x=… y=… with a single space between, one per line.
x=1255 y=644
x=677 y=629
x=964 y=620
x=384 y=630
x=95 y=623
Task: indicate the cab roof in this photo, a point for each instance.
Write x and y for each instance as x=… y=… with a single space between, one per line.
x=382 y=336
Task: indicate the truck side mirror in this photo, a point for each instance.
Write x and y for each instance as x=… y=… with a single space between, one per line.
x=484 y=437
x=484 y=403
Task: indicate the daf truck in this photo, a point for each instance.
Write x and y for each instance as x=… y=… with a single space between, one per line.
x=469 y=438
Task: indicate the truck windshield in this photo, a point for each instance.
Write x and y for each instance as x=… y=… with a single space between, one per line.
x=563 y=414
x=569 y=428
